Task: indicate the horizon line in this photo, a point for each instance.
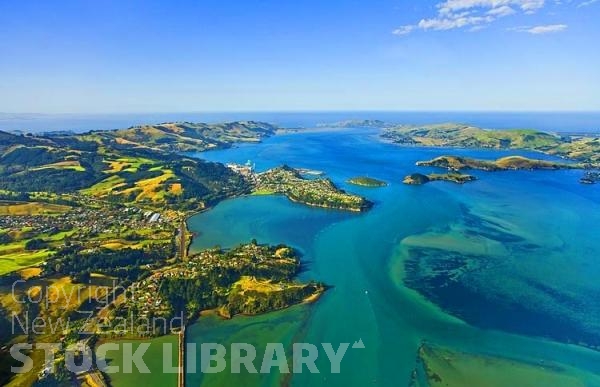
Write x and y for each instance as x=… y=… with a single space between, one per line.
x=292 y=111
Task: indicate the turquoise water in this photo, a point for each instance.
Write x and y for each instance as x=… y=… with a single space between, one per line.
x=504 y=266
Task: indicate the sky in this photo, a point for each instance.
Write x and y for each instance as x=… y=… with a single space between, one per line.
x=286 y=55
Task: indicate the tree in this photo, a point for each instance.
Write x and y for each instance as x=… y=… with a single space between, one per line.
x=35 y=244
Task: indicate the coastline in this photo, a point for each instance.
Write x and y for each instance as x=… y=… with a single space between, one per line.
x=218 y=313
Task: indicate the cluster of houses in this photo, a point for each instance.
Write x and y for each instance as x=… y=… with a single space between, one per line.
x=243 y=169
x=85 y=220
x=306 y=190
x=144 y=295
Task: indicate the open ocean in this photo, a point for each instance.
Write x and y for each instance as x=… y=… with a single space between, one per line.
x=548 y=121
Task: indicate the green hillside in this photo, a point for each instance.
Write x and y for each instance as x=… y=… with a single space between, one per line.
x=510 y=162
x=579 y=148
x=136 y=165
x=187 y=136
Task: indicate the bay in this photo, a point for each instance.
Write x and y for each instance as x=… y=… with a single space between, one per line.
x=524 y=238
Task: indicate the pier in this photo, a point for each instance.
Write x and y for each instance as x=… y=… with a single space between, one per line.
x=181 y=361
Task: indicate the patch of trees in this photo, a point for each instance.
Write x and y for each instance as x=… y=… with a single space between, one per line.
x=123 y=263
x=18 y=177
x=6 y=360
x=93 y=163
x=15 y=196
x=82 y=277
x=34 y=156
x=48 y=180
x=141 y=174
x=254 y=302
x=199 y=292
x=73 y=142
x=5 y=238
x=8 y=139
x=5 y=325
x=35 y=244
x=209 y=181
x=9 y=279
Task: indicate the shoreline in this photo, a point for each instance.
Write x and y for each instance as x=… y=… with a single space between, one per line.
x=386 y=140
x=216 y=312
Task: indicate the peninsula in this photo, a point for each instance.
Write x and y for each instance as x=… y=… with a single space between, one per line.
x=580 y=148
x=103 y=214
x=313 y=192
x=457 y=163
x=454 y=164
x=248 y=279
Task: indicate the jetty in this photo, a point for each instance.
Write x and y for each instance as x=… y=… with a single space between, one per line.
x=181 y=361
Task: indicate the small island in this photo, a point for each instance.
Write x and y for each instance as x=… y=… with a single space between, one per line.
x=365 y=181
x=419 y=179
x=590 y=177
x=319 y=192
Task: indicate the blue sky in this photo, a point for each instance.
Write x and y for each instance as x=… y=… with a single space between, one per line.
x=172 y=56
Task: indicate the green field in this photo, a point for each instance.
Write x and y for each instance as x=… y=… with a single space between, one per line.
x=153 y=358
x=31 y=208
x=20 y=260
x=14 y=256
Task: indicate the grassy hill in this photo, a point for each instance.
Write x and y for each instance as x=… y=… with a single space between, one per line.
x=187 y=136
x=579 y=148
x=134 y=165
x=453 y=177
x=511 y=162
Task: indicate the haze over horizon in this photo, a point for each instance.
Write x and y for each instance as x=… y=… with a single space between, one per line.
x=441 y=55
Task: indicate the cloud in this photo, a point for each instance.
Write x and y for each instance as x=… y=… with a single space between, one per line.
x=586 y=3
x=539 y=30
x=403 y=30
x=454 y=21
x=476 y=28
x=450 y=6
x=476 y=14
x=504 y=10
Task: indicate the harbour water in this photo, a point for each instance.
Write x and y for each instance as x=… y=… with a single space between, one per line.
x=505 y=266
